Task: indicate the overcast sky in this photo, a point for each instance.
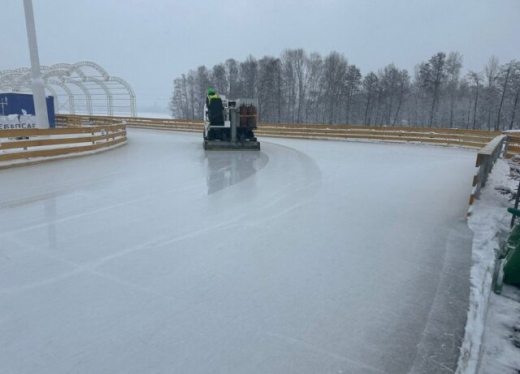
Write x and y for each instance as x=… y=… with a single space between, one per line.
x=150 y=42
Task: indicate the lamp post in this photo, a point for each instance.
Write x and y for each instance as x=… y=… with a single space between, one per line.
x=38 y=88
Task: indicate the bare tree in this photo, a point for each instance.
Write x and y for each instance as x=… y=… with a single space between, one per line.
x=370 y=87
x=515 y=91
x=219 y=79
x=248 y=78
x=432 y=75
x=232 y=78
x=491 y=72
x=314 y=87
x=389 y=81
x=403 y=89
x=352 y=85
x=334 y=72
x=300 y=87
x=203 y=82
x=504 y=77
x=453 y=67
x=476 y=79
x=268 y=88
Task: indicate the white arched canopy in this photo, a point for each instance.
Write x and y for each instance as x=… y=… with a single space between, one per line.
x=84 y=84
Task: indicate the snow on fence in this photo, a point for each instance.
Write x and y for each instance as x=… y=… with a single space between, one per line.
x=513 y=144
x=454 y=137
x=486 y=158
x=149 y=123
x=29 y=146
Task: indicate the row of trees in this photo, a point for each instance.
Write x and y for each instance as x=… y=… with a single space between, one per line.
x=299 y=87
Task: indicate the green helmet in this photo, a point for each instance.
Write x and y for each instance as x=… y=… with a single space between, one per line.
x=211 y=91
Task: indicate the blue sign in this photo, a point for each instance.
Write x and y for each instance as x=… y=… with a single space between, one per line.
x=16 y=109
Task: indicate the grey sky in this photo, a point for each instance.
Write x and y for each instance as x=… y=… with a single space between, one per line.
x=151 y=42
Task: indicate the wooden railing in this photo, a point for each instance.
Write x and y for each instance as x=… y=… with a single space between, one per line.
x=486 y=158
x=28 y=146
x=461 y=138
x=513 y=144
x=455 y=137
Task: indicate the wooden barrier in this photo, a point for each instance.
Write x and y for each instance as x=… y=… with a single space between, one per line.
x=450 y=137
x=513 y=144
x=29 y=146
x=486 y=158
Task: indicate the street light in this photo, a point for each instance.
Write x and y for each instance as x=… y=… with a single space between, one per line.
x=38 y=88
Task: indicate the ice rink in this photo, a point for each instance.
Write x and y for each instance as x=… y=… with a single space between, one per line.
x=307 y=257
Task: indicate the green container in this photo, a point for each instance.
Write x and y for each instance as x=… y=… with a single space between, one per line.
x=512 y=250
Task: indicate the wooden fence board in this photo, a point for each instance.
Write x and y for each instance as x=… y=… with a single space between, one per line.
x=57 y=151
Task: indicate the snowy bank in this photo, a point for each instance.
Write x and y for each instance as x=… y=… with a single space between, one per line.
x=489 y=221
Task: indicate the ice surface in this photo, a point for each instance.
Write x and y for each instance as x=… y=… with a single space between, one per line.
x=308 y=257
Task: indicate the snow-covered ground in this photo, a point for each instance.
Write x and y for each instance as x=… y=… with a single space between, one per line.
x=493 y=333
x=501 y=345
x=308 y=257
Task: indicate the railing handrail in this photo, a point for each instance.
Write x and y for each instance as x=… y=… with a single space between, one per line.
x=292 y=125
x=29 y=146
x=59 y=131
x=453 y=137
x=492 y=146
x=486 y=158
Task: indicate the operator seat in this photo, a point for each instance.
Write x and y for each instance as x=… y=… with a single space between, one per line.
x=216 y=112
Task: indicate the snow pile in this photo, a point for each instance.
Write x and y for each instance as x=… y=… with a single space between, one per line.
x=500 y=350
x=488 y=222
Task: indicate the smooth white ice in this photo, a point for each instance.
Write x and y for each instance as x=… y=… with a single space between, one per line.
x=308 y=257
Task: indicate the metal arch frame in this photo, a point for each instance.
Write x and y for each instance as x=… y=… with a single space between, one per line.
x=130 y=91
x=11 y=77
x=90 y=64
x=54 y=94
x=16 y=80
x=85 y=90
x=64 y=87
x=4 y=87
x=104 y=87
x=24 y=79
x=70 y=69
x=59 y=73
x=27 y=86
x=13 y=72
x=21 y=80
x=63 y=72
x=55 y=73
